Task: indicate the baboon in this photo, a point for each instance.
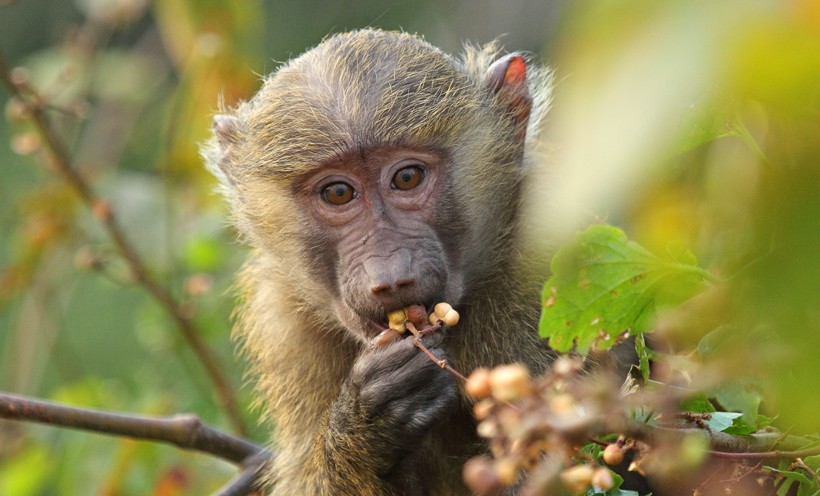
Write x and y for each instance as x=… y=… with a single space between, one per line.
x=371 y=173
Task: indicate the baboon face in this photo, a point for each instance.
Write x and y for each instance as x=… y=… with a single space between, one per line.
x=379 y=217
x=380 y=170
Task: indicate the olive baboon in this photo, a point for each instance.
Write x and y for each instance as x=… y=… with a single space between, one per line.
x=371 y=173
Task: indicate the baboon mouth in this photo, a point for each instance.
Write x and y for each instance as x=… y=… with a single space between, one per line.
x=412 y=320
x=391 y=326
x=382 y=322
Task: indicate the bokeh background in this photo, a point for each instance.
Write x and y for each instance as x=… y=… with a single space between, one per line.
x=695 y=123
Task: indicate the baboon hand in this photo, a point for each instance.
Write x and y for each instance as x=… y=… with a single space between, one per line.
x=393 y=397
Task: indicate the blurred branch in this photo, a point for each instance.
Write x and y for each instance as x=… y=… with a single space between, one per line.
x=247 y=480
x=756 y=446
x=184 y=431
x=59 y=158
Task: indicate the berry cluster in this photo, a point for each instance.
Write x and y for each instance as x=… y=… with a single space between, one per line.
x=416 y=317
x=536 y=428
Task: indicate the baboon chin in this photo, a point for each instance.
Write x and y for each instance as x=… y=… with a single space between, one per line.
x=372 y=173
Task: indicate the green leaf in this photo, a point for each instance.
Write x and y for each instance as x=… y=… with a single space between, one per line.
x=813 y=462
x=697 y=403
x=708 y=121
x=715 y=343
x=795 y=476
x=604 y=287
x=740 y=396
x=721 y=421
x=740 y=429
x=763 y=421
x=643 y=356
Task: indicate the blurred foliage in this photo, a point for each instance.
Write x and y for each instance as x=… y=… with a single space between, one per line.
x=697 y=123
x=688 y=123
x=133 y=85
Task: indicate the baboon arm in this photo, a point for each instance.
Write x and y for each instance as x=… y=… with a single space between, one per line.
x=328 y=458
x=357 y=428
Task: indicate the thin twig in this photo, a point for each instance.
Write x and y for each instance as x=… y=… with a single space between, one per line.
x=102 y=211
x=800 y=463
x=417 y=335
x=745 y=474
x=758 y=455
x=598 y=442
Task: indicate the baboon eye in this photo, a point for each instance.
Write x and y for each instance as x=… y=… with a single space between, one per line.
x=408 y=178
x=338 y=193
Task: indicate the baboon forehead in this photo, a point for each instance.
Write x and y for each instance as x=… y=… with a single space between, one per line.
x=362 y=89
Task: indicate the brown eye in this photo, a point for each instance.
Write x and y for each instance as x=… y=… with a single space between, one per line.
x=338 y=193
x=408 y=178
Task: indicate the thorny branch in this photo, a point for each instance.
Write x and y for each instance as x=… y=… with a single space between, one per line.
x=61 y=161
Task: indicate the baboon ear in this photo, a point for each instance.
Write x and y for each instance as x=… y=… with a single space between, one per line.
x=227 y=130
x=220 y=152
x=507 y=79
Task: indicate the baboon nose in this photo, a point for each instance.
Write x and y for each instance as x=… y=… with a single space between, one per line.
x=385 y=288
x=391 y=277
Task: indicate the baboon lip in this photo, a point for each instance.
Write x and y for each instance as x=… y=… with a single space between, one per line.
x=380 y=324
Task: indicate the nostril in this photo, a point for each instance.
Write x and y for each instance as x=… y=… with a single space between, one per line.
x=381 y=288
x=388 y=288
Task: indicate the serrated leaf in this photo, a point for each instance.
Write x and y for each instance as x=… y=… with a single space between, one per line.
x=604 y=286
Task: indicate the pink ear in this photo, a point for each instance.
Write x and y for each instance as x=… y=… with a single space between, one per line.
x=227 y=130
x=507 y=78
